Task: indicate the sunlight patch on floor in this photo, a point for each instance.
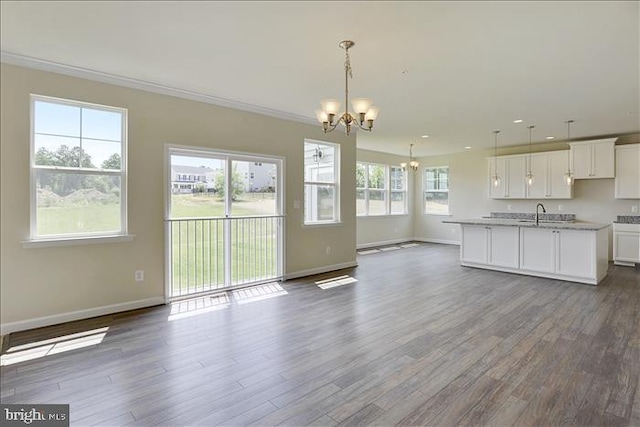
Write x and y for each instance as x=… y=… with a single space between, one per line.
x=335 y=281
x=196 y=306
x=369 y=251
x=259 y=293
x=36 y=350
x=410 y=245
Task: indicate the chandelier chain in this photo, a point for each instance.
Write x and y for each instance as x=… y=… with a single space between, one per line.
x=347 y=64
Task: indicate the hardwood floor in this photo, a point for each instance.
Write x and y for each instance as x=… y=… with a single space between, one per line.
x=417 y=340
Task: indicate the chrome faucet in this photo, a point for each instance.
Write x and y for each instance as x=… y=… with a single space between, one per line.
x=539 y=205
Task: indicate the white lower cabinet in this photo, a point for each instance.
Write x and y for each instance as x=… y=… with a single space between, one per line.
x=573 y=255
x=577 y=255
x=496 y=246
x=626 y=244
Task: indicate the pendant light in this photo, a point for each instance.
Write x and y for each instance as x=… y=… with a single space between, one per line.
x=568 y=176
x=529 y=176
x=495 y=179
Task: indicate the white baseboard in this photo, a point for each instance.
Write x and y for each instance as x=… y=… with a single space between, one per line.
x=22 y=325
x=320 y=270
x=383 y=243
x=441 y=241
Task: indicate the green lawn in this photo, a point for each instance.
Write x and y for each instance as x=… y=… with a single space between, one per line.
x=78 y=219
x=198 y=245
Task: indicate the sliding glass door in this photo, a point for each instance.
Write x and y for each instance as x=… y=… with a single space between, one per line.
x=224 y=221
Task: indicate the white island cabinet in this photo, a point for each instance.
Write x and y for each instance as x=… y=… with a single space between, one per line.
x=497 y=246
x=576 y=252
x=566 y=254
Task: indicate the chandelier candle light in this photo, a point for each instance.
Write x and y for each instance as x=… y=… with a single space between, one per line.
x=495 y=179
x=364 y=113
x=413 y=164
x=568 y=176
x=529 y=176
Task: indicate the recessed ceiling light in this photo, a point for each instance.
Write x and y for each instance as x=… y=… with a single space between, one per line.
x=551 y=137
x=467 y=148
x=518 y=121
x=425 y=136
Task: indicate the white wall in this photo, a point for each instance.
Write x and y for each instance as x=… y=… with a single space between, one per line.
x=380 y=230
x=51 y=283
x=593 y=200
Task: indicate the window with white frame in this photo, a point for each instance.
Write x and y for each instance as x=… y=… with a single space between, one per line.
x=321 y=182
x=380 y=190
x=398 y=195
x=436 y=190
x=78 y=169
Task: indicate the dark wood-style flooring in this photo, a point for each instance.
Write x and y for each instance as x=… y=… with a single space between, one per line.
x=417 y=340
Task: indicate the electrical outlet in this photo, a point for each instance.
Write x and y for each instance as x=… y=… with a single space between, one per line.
x=634 y=209
x=560 y=208
x=509 y=207
x=139 y=275
x=328 y=250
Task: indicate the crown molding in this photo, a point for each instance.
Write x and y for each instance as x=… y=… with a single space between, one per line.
x=98 y=76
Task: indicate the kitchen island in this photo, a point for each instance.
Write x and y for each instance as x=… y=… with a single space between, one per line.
x=573 y=251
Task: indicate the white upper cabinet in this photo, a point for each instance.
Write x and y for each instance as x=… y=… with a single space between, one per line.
x=593 y=159
x=511 y=170
x=549 y=170
x=628 y=171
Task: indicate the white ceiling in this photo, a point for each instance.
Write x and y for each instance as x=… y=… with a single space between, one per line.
x=453 y=70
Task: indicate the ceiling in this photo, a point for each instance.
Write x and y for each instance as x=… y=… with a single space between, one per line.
x=453 y=70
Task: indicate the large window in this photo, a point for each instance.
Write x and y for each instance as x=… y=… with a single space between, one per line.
x=380 y=190
x=436 y=190
x=321 y=182
x=78 y=169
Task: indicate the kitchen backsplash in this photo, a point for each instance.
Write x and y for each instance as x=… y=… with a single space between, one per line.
x=532 y=216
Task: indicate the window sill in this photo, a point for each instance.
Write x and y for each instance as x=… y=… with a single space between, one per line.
x=48 y=243
x=321 y=224
x=437 y=214
x=381 y=216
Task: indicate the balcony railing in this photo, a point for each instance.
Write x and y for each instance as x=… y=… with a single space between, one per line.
x=207 y=254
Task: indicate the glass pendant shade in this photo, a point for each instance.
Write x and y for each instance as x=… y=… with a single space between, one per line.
x=330 y=106
x=530 y=178
x=568 y=178
x=322 y=116
x=361 y=105
x=372 y=113
x=495 y=179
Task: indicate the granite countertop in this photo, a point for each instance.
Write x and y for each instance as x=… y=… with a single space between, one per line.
x=563 y=225
x=628 y=219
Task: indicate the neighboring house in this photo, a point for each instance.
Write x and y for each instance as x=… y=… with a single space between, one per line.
x=186 y=179
x=256 y=176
